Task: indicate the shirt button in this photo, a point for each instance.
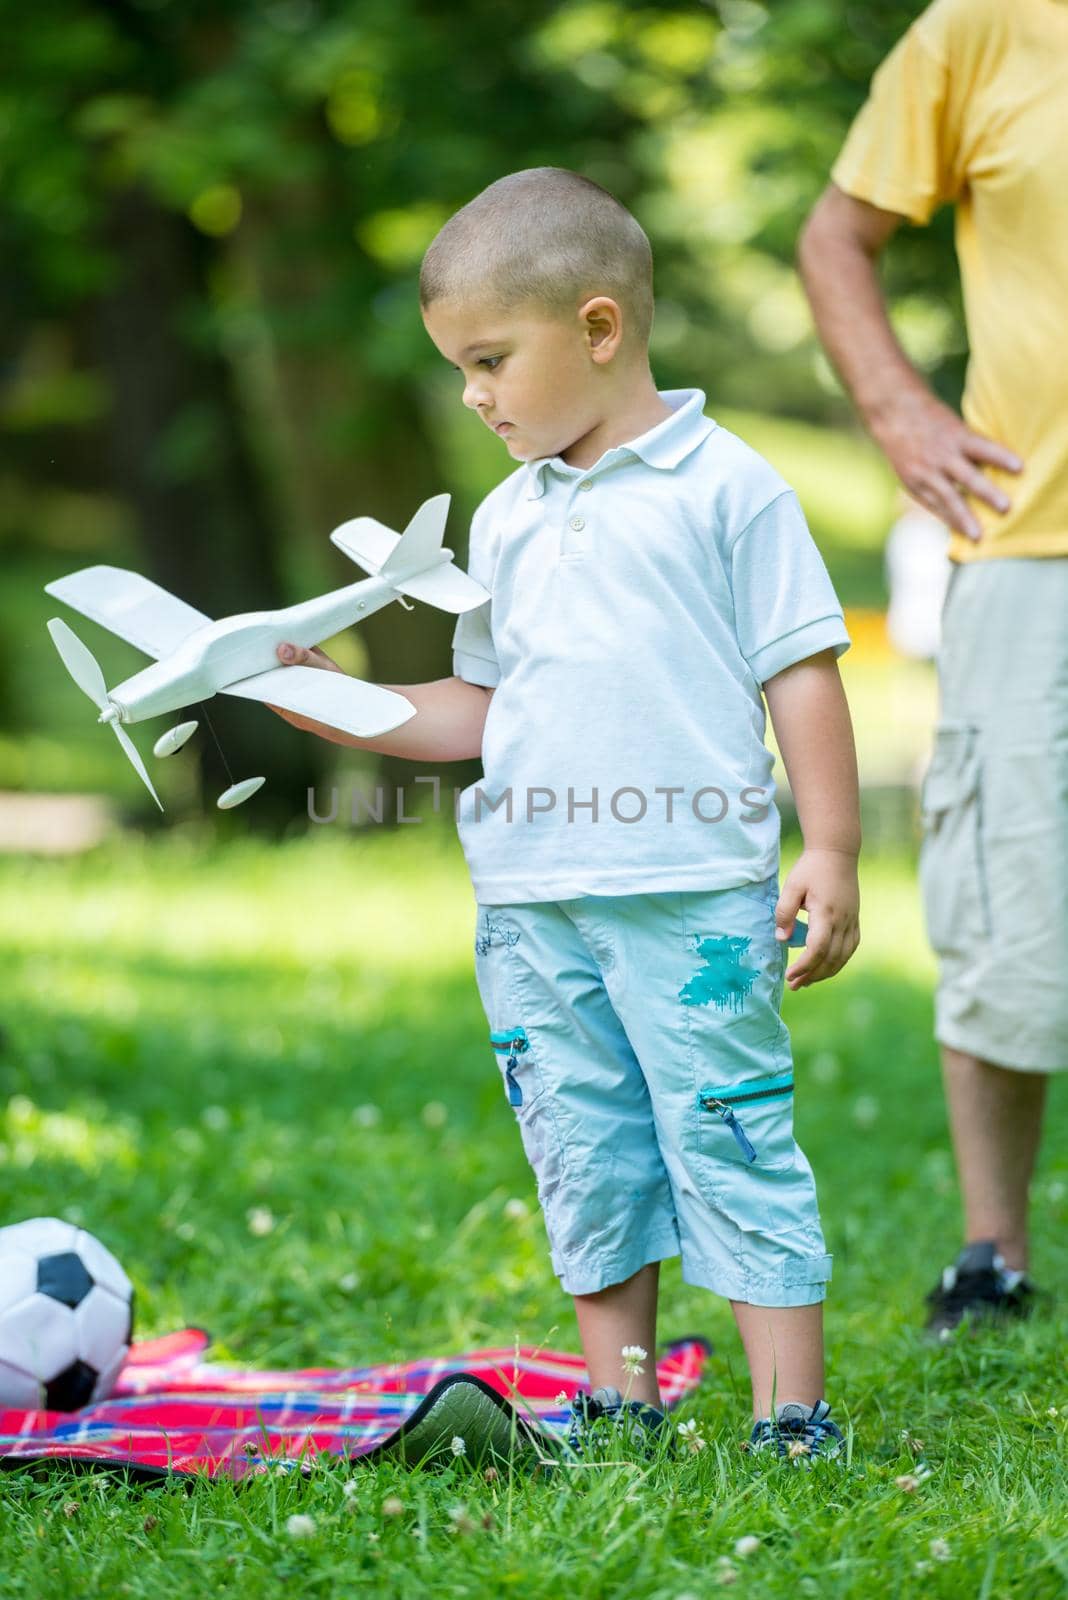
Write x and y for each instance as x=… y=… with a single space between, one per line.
x=577 y=524
x=586 y=483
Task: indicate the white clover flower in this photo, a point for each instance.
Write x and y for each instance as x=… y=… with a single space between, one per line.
x=515 y=1210
x=746 y=1546
x=458 y=1447
x=435 y=1114
x=866 y=1111
x=350 y=1488
x=260 y=1220
x=562 y=1398
x=940 y=1550
x=825 y=1067
x=693 y=1439
x=461 y=1520
x=300 y=1526
x=633 y=1356
x=392 y=1506
x=349 y=1282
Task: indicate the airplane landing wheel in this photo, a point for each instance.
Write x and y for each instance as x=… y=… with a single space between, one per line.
x=238 y=792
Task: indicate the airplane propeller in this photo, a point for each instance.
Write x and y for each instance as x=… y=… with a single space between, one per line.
x=85 y=670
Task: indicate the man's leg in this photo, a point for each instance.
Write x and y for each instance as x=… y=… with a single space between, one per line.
x=995 y=1116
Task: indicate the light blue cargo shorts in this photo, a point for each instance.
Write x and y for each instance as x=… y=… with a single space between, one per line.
x=640 y=1044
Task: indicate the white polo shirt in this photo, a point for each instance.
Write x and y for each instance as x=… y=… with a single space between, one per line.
x=636 y=608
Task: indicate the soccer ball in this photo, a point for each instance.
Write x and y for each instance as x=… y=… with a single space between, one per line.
x=66 y=1316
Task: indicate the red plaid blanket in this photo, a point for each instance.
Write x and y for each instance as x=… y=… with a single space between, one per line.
x=173 y=1412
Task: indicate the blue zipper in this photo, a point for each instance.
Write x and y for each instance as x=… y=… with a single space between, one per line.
x=514 y=1042
x=722 y=1101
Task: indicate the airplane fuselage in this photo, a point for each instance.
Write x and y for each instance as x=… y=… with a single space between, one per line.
x=221 y=653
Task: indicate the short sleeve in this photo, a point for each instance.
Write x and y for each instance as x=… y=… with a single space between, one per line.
x=473 y=657
x=785 y=607
x=902 y=152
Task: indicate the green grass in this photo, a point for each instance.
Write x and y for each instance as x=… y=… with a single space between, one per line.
x=193 y=1032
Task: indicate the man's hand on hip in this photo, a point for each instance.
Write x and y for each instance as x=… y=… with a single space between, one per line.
x=938 y=458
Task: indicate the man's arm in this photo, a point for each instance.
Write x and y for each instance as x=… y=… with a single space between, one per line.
x=815 y=736
x=931 y=449
x=447 y=726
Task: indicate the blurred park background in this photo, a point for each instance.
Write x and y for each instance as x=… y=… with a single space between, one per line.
x=211 y=223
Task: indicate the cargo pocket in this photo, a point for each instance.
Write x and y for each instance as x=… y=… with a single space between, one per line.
x=952 y=869
x=525 y=1091
x=750 y=1123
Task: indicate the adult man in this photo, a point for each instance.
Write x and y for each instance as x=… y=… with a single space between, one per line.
x=969 y=108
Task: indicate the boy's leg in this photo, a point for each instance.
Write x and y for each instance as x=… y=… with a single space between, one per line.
x=784 y=1349
x=583 y=1110
x=624 y=1314
x=699 y=994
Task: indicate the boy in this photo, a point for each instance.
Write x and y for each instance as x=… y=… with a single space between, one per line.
x=649 y=575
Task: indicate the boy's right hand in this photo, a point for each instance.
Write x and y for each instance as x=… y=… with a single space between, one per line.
x=296 y=655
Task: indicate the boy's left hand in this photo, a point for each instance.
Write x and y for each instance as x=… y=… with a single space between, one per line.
x=824 y=882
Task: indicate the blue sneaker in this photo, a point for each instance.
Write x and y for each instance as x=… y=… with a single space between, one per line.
x=799 y=1433
x=604 y=1415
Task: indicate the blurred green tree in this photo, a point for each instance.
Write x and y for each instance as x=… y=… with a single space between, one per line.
x=223 y=207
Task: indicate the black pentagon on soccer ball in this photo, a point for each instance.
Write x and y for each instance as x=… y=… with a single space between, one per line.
x=64 y=1278
x=71 y=1389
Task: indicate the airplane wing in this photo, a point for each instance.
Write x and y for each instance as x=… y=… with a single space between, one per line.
x=362 y=709
x=423 y=572
x=366 y=541
x=133 y=607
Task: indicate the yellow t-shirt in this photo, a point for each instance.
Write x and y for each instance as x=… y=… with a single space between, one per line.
x=971 y=105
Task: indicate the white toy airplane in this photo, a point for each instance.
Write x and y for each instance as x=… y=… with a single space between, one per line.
x=197 y=658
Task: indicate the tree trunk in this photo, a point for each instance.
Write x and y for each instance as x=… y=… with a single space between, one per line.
x=183 y=462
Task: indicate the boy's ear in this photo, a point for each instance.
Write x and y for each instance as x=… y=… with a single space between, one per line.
x=602 y=326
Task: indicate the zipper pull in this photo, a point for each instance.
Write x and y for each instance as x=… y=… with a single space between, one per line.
x=735 y=1126
x=515 y=1092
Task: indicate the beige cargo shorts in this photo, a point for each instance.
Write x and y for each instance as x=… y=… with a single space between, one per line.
x=994 y=805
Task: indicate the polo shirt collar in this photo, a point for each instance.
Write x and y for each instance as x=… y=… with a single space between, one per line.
x=664 y=445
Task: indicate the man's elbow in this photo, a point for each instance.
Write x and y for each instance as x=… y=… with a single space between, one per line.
x=840 y=222
x=820 y=232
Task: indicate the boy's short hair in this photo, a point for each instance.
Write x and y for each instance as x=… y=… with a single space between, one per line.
x=548 y=236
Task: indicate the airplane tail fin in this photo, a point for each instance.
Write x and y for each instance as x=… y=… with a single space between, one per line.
x=415 y=562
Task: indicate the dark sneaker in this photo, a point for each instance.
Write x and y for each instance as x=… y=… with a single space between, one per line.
x=600 y=1418
x=978 y=1286
x=798 y=1432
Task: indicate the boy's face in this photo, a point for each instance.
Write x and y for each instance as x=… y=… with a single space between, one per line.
x=537 y=380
